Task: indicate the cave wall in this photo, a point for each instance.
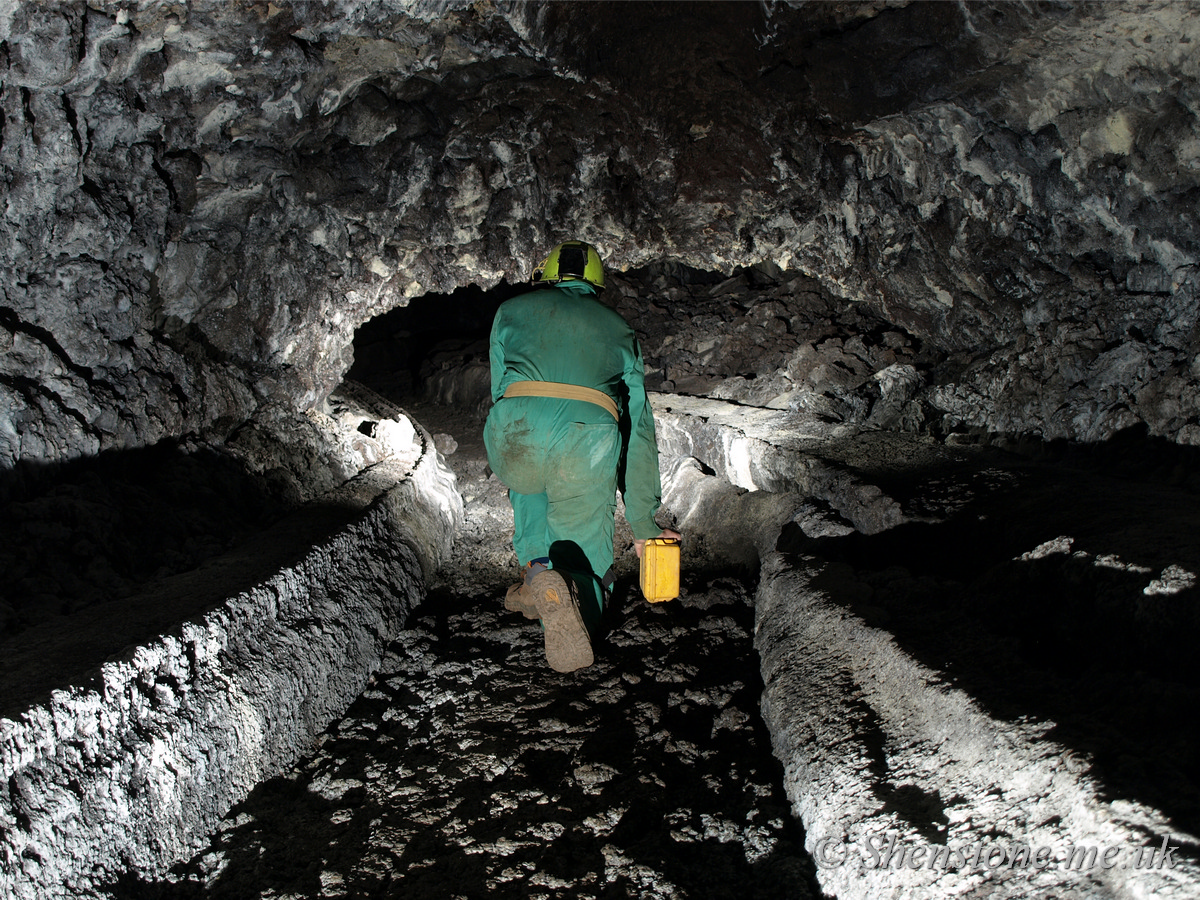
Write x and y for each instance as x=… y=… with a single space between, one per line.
x=124 y=762
x=204 y=200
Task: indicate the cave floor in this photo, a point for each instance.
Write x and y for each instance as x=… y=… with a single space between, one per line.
x=1057 y=591
x=469 y=767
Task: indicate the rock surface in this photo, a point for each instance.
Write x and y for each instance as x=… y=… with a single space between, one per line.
x=124 y=764
x=853 y=237
x=204 y=200
x=468 y=768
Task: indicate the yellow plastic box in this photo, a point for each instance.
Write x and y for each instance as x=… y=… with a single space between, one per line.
x=660 y=570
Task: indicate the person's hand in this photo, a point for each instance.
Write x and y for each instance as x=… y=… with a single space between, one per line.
x=667 y=533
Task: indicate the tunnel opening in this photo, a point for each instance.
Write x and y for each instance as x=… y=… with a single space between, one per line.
x=394 y=353
x=757 y=335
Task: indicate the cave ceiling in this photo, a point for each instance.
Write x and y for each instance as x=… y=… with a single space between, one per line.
x=205 y=200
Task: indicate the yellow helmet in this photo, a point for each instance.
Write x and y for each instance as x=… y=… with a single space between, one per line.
x=570 y=260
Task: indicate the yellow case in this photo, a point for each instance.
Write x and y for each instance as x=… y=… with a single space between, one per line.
x=660 y=570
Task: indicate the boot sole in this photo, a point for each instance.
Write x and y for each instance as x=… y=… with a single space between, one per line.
x=568 y=646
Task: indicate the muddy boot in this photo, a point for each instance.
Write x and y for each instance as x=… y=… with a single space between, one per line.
x=520 y=599
x=568 y=646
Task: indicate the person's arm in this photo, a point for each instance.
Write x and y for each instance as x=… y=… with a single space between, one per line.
x=642 y=489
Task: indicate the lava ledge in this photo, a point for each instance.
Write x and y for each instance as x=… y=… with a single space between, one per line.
x=130 y=772
x=882 y=760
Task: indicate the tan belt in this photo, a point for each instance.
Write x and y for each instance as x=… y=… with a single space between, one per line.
x=562 y=392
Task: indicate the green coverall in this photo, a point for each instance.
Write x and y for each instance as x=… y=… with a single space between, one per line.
x=563 y=460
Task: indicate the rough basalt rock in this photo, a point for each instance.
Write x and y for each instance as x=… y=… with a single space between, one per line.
x=996 y=675
x=928 y=218
x=205 y=200
x=893 y=771
x=128 y=766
